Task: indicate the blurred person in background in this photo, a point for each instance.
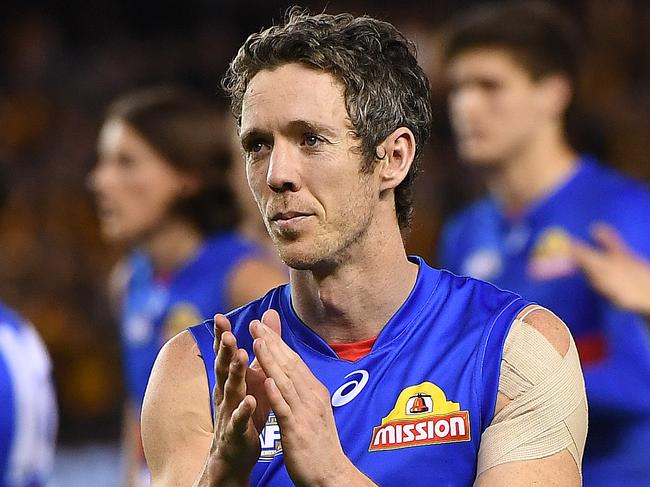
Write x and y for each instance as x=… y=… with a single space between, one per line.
x=512 y=70
x=28 y=411
x=161 y=183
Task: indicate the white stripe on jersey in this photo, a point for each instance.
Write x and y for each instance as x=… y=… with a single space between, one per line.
x=32 y=450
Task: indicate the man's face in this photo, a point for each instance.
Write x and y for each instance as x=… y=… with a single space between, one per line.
x=303 y=166
x=495 y=106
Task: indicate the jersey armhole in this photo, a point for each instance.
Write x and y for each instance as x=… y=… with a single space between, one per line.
x=204 y=340
x=490 y=361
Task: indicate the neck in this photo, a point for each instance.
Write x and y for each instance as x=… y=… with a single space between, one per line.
x=354 y=300
x=172 y=245
x=533 y=172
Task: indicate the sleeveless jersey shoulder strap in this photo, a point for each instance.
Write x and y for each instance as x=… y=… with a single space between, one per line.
x=205 y=339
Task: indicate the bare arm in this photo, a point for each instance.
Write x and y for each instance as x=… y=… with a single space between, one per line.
x=616 y=271
x=558 y=464
x=176 y=422
x=254 y=278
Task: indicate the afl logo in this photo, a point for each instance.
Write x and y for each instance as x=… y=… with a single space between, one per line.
x=351 y=389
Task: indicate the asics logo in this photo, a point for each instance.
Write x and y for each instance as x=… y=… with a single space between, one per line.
x=351 y=389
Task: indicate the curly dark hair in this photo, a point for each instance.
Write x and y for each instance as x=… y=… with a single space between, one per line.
x=384 y=87
x=182 y=127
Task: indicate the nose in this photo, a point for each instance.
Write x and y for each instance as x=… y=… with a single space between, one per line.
x=465 y=101
x=98 y=179
x=283 y=173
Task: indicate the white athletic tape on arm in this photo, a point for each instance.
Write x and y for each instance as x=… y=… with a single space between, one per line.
x=547 y=412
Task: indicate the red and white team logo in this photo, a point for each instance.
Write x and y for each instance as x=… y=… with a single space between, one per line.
x=422 y=416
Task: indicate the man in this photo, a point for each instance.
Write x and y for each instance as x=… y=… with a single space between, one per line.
x=28 y=415
x=369 y=367
x=512 y=71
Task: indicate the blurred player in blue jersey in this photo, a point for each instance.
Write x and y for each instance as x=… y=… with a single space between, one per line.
x=28 y=411
x=512 y=70
x=162 y=190
x=370 y=367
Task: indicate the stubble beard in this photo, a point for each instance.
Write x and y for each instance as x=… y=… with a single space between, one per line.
x=328 y=248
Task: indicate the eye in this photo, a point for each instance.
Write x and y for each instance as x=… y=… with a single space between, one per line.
x=256 y=146
x=312 y=140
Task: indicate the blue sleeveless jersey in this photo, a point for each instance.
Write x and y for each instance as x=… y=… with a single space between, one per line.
x=412 y=411
x=28 y=416
x=193 y=293
x=530 y=255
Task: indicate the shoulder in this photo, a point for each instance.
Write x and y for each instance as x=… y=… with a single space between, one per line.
x=253 y=277
x=549 y=326
x=484 y=207
x=9 y=318
x=179 y=367
x=475 y=292
x=624 y=203
x=177 y=405
x=619 y=187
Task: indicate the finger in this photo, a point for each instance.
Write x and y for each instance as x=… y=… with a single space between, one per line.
x=271 y=318
x=277 y=371
x=221 y=324
x=587 y=257
x=280 y=407
x=609 y=238
x=242 y=415
x=225 y=354
x=234 y=390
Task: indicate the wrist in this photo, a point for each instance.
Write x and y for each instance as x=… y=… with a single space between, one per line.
x=221 y=474
x=347 y=474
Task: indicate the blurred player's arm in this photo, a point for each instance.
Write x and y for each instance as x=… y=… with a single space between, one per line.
x=252 y=279
x=616 y=271
x=131 y=442
x=538 y=433
x=176 y=422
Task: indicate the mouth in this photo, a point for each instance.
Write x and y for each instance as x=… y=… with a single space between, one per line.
x=289 y=221
x=289 y=215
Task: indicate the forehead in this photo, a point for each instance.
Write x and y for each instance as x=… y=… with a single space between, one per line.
x=289 y=93
x=493 y=62
x=112 y=133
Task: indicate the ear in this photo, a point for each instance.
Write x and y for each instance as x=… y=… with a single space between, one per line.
x=556 y=93
x=399 y=150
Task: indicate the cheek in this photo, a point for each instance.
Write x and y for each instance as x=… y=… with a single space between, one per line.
x=149 y=198
x=255 y=183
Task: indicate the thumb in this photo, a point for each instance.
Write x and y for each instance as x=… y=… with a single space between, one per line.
x=271 y=318
x=609 y=238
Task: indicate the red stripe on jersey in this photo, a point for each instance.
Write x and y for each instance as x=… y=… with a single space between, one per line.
x=353 y=351
x=591 y=348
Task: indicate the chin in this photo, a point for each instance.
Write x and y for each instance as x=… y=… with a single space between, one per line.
x=475 y=157
x=302 y=261
x=302 y=256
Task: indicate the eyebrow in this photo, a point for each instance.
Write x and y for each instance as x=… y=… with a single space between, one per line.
x=309 y=126
x=292 y=126
x=253 y=134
